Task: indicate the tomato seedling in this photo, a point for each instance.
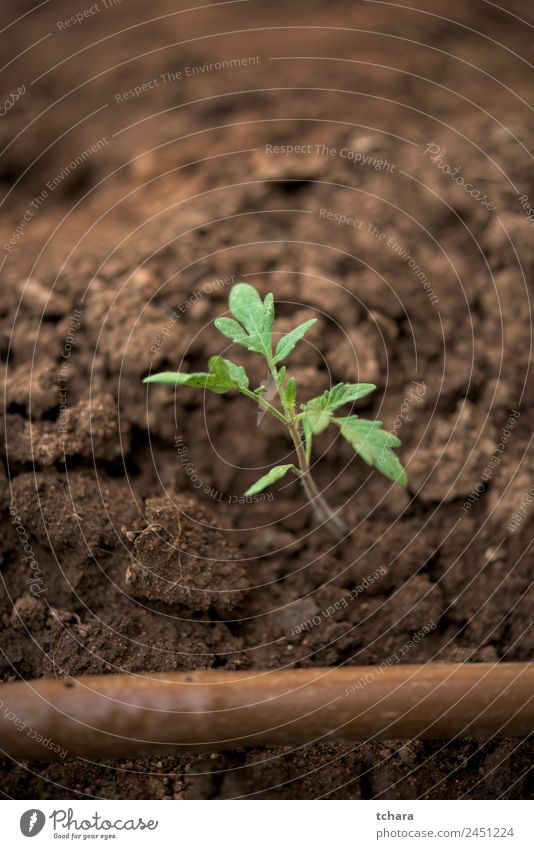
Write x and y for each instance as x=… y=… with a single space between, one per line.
x=252 y=327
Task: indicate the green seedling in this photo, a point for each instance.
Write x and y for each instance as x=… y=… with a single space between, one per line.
x=252 y=327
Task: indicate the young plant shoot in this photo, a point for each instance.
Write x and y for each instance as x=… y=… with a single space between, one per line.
x=252 y=328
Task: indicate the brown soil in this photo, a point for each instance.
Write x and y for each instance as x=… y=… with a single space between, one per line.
x=147 y=557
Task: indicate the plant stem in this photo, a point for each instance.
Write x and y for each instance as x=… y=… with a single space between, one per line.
x=324 y=513
x=265 y=404
x=318 y=502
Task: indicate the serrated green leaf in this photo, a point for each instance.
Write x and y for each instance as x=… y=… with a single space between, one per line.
x=343 y=393
x=288 y=342
x=178 y=378
x=201 y=380
x=246 y=306
x=222 y=376
x=318 y=411
x=228 y=371
x=268 y=316
x=281 y=375
x=254 y=315
x=318 y=420
x=374 y=446
x=273 y=475
x=231 y=329
x=291 y=391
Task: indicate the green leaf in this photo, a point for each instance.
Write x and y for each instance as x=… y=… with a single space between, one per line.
x=318 y=411
x=273 y=475
x=202 y=380
x=317 y=419
x=246 y=306
x=268 y=317
x=254 y=319
x=291 y=391
x=222 y=376
x=374 y=446
x=231 y=329
x=227 y=371
x=288 y=342
x=343 y=393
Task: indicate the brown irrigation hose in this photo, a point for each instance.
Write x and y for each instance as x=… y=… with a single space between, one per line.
x=110 y=715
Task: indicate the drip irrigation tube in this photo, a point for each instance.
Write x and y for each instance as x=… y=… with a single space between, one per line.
x=116 y=715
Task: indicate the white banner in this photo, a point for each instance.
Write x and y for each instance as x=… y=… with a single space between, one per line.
x=262 y=825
